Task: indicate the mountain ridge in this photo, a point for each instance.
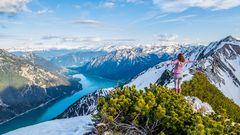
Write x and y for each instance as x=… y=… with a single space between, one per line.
x=42 y=62
x=222 y=56
x=222 y=67
x=122 y=64
x=24 y=85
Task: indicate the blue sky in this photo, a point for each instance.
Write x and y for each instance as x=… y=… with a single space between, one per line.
x=91 y=22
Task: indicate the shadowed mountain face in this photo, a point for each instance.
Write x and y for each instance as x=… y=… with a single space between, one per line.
x=122 y=64
x=24 y=86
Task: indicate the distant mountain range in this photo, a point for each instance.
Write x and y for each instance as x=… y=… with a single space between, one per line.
x=78 y=58
x=42 y=62
x=222 y=68
x=25 y=85
x=63 y=58
x=122 y=64
x=47 y=54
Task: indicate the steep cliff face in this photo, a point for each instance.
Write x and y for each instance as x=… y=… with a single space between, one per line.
x=223 y=66
x=24 y=85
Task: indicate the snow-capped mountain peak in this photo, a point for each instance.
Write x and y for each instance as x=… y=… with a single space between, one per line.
x=222 y=67
x=229 y=39
x=122 y=64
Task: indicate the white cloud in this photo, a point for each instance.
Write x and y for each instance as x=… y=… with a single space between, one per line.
x=107 y=5
x=88 y=22
x=13 y=6
x=167 y=37
x=49 y=37
x=150 y=18
x=184 y=18
x=44 y=11
x=71 y=38
x=181 y=5
x=134 y=1
x=177 y=19
x=115 y=3
x=84 y=40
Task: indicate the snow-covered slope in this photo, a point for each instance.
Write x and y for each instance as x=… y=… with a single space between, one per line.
x=153 y=74
x=122 y=64
x=147 y=48
x=73 y=126
x=199 y=107
x=222 y=67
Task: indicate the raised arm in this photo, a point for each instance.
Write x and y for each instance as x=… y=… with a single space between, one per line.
x=170 y=62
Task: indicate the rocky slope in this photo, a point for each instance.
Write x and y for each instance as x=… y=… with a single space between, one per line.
x=24 y=85
x=222 y=67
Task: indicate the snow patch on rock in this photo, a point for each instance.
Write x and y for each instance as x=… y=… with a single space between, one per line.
x=198 y=106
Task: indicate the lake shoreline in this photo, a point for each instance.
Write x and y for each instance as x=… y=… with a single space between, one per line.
x=53 y=108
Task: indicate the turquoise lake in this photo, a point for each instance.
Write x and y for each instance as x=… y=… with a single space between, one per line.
x=51 y=110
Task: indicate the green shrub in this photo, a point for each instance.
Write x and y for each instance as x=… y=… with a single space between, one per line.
x=200 y=87
x=156 y=110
